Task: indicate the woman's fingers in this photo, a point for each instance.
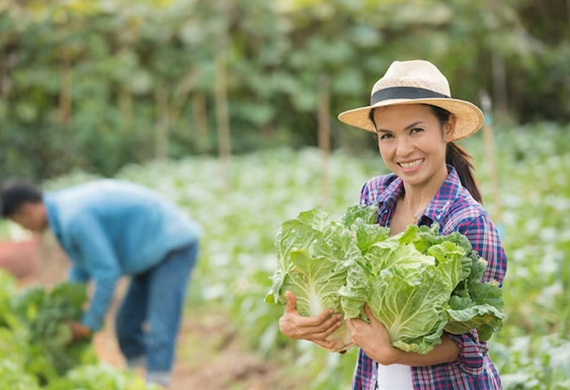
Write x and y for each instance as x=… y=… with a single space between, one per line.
x=316 y=321
x=291 y=306
x=295 y=326
x=329 y=330
x=325 y=344
x=355 y=327
x=314 y=327
x=369 y=313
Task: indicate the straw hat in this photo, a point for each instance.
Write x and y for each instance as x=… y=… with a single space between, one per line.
x=416 y=82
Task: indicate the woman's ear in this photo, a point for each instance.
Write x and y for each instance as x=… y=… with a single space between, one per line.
x=449 y=128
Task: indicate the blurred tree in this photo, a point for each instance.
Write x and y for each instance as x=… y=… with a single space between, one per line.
x=97 y=85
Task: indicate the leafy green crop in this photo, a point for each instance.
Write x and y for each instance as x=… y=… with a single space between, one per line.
x=44 y=315
x=7 y=291
x=96 y=377
x=318 y=257
x=36 y=351
x=417 y=283
x=422 y=284
x=13 y=377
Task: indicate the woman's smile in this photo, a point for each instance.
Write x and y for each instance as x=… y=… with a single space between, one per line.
x=411 y=165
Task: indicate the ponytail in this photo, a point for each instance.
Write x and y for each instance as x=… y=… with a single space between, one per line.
x=458 y=157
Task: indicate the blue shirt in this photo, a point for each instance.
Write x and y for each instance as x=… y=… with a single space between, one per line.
x=111 y=228
x=454 y=209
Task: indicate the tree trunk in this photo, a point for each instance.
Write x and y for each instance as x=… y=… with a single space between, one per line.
x=324 y=137
x=126 y=108
x=162 y=123
x=499 y=82
x=5 y=79
x=222 y=116
x=497 y=64
x=200 y=115
x=65 y=91
x=268 y=131
x=489 y=141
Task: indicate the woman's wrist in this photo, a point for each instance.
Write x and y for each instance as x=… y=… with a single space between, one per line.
x=387 y=355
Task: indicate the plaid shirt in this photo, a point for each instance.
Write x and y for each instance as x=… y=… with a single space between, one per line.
x=455 y=210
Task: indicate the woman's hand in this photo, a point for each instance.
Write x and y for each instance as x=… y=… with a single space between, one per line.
x=372 y=338
x=316 y=329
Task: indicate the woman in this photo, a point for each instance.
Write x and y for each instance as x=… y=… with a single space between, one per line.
x=416 y=122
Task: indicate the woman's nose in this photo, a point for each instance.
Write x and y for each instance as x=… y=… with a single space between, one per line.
x=404 y=146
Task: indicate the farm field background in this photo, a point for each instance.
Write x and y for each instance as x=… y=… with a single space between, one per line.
x=265 y=188
x=220 y=104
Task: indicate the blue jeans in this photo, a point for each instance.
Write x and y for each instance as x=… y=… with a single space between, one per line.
x=149 y=317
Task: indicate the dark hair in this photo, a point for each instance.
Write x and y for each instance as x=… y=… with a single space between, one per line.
x=455 y=155
x=16 y=193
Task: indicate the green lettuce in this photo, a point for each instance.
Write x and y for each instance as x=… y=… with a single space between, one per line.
x=410 y=290
x=418 y=283
x=319 y=261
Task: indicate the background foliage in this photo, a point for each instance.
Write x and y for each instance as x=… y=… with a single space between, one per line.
x=95 y=85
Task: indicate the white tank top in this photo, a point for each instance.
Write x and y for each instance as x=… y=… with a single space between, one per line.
x=395 y=377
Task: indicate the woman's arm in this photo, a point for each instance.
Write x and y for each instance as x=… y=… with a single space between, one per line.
x=374 y=340
x=446 y=352
x=485 y=240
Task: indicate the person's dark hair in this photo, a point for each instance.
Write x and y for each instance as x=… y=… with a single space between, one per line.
x=16 y=193
x=455 y=155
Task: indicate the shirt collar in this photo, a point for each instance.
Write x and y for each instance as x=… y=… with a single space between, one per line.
x=438 y=206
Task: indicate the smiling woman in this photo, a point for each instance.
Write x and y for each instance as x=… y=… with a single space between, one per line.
x=416 y=121
x=432 y=181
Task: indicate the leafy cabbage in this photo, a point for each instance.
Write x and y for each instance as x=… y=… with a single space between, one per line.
x=417 y=283
x=319 y=261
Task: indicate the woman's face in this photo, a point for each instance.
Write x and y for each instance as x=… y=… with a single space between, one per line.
x=411 y=141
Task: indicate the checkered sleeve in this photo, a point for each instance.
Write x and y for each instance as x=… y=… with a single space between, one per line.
x=484 y=238
x=471 y=352
x=485 y=241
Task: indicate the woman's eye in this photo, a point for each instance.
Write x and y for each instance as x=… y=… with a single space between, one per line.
x=385 y=136
x=416 y=130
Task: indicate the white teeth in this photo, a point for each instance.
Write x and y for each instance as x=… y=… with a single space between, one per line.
x=412 y=164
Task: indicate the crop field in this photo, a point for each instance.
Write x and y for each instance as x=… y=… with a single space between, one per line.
x=241 y=210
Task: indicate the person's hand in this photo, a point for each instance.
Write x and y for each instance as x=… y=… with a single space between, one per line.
x=372 y=338
x=78 y=331
x=316 y=329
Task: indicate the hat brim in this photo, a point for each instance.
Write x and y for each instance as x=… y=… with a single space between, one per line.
x=469 y=117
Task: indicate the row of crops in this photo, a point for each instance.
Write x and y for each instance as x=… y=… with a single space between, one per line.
x=241 y=210
x=36 y=345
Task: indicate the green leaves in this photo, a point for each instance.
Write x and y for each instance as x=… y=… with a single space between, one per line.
x=319 y=262
x=34 y=332
x=92 y=377
x=13 y=377
x=424 y=283
x=417 y=283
